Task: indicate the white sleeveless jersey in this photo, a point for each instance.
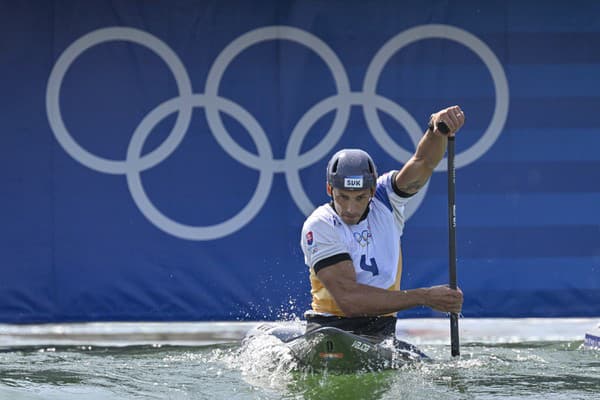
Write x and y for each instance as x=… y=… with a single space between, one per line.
x=373 y=243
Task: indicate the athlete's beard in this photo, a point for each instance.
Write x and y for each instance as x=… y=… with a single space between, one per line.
x=351 y=219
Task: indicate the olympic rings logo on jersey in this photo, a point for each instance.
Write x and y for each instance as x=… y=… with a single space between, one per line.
x=264 y=162
x=362 y=238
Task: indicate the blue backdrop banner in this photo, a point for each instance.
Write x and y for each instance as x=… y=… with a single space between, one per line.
x=158 y=158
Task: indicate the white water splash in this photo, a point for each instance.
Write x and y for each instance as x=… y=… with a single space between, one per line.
x=263 y=361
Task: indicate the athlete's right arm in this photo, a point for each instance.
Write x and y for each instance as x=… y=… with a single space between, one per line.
x=356 y=299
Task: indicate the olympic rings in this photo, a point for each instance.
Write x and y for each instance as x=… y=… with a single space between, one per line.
x=440 y=32
x=57 y=75
x=362 y=238
x=264 y=162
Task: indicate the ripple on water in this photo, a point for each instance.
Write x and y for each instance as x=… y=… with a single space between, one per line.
x=265 y=369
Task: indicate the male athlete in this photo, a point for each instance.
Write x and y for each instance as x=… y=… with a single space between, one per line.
x=352 y=244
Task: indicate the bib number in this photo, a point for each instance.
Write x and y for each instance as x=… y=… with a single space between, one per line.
x=370 y=268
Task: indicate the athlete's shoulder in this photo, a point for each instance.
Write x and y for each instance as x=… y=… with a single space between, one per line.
x=323 y=216
x=322 y=235
x=385 y=180
x=388 y=195
x=385 y=189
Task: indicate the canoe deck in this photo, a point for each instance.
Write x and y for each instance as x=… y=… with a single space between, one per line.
x=333 y=349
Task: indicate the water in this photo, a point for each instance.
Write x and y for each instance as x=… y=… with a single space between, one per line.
x=264 y=370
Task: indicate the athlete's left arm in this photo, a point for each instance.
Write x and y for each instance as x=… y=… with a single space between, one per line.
x=430 y=151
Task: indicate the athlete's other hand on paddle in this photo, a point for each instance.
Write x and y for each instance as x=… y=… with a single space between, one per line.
x=352 y=244
x=443 y=298
x=447 y=121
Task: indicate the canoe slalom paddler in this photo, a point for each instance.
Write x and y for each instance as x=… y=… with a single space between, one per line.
x=352 y=245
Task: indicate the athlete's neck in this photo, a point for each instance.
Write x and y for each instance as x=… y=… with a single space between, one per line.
x=362 y=218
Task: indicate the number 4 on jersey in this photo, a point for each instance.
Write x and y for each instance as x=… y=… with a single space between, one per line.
x=371 y=268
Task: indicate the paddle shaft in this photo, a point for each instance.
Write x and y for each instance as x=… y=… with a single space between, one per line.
x=454 y=340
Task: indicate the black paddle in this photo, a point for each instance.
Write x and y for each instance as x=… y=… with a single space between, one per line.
x=443 y=128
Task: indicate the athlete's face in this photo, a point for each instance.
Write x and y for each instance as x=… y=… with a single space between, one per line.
x=350 y=204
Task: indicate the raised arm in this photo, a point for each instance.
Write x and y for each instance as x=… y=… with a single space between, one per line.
x=430 y=150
